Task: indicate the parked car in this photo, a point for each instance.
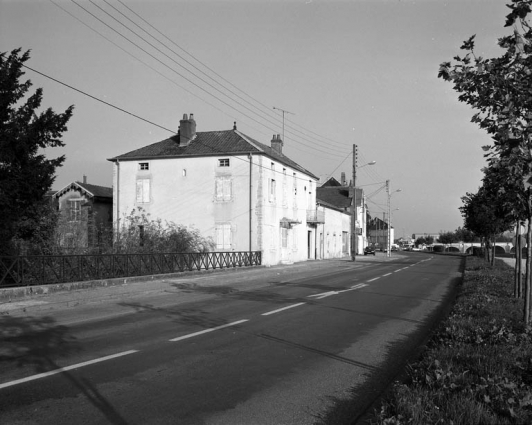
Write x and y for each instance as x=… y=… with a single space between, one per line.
x=369 y=250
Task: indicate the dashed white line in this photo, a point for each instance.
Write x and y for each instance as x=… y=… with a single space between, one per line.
x=324 y=294
x=282 y=309
x=375 y=278
x=64 y=369
x=387 y=274
x=208 y=330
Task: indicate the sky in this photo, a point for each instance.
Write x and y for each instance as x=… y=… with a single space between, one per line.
x=346 y=72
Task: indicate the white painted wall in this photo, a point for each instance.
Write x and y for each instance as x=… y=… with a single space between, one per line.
x=332 y=234
x=183 y=191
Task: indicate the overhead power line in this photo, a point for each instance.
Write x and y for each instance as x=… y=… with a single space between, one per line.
x=96 y=98
x=142 y=119
x=328 y=149
x=313 y=147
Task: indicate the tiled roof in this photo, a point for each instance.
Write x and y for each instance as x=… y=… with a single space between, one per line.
x=90 y=189
x=209 y=143
x=331 y=182
x=100 y=191
x=337 y=196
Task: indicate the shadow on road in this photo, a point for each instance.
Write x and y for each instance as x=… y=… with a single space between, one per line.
x=38 y=344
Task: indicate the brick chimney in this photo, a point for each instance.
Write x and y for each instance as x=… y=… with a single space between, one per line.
x=187 y=130
x=277 y=144
x=343 y=182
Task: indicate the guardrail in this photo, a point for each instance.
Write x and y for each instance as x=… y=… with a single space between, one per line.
x=48 y=269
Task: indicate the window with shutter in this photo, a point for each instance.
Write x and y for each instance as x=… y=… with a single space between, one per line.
x=223 y=189
x=143 y=191
x=223 y=235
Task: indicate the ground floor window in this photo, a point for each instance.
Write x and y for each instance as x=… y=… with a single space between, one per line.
x=223 y=235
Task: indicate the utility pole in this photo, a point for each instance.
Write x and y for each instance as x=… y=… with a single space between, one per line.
x=354 y=207
x=390 y=216
x=389 y=245
x=284 y=112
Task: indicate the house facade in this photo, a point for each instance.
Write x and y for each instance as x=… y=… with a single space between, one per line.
x=378 y=233
x=240 y=193
x=335 y=200
x=85 y=213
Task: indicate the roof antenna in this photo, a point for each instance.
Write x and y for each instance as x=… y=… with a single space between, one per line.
x=284 y=112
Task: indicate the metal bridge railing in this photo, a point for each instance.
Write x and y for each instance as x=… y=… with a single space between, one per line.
x=48 y=269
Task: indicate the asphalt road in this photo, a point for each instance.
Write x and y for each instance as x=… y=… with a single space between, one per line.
x=310 y=343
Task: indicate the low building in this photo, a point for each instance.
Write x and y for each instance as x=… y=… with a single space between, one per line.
x=378 y=233
x=85 y=214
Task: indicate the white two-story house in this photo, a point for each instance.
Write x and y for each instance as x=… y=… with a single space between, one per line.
x=243 y=194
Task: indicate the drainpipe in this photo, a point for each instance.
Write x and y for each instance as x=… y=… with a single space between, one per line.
x=250 y=200
x=117 y=198
x=316 y=234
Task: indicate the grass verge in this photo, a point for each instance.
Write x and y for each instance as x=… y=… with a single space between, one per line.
x=477 y=367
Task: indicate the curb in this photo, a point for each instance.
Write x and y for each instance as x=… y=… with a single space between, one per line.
x=10 y=294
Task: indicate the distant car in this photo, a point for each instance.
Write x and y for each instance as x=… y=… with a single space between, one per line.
x=369 y=250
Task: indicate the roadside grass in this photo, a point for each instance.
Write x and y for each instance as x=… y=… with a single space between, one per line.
x=477 y=367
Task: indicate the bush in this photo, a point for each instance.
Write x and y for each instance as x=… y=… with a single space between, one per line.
x=137 y=234
x=140 y=234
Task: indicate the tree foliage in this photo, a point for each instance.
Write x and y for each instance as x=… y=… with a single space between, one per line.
x=500 y=91
x=139 y=233
x=26 y=175
x=447 y=237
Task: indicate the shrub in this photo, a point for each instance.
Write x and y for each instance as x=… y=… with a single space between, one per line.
x=140 y=234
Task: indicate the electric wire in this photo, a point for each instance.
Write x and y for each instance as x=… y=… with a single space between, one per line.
x=152 y=123
x=107 y=103
x=211 y=70
x=180 y=74
x=144 y=63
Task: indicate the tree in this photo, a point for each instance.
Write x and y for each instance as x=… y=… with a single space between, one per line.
x=447 y=238
x=420 y=241
x=26 y=175
x=499 y=90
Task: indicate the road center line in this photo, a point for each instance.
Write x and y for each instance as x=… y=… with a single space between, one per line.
x=387 y=274
x=64 y=369
x=375 y=278
x=281 y=309
x=179 y=338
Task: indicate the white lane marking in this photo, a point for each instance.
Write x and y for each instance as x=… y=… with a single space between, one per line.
x=360 y=285
x=328 y=294
x=64 y=369
x=371 y=280
x=282 y=309
x=387 y=274
x=324 y=294
x=179 y=338
x=395 y=271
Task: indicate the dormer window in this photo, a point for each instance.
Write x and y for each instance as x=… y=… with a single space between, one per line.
x=144 y=166
x=224 y=162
